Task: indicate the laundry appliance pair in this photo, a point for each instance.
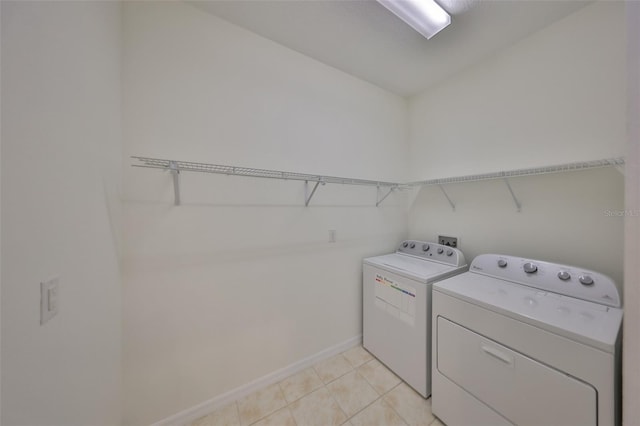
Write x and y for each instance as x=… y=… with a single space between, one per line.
x=511 y=341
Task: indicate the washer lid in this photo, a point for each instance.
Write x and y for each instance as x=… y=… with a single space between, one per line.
x=414 y=268
x=590 y=323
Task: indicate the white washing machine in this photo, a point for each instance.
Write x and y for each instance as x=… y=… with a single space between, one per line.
x=526 y=342
x=397 y=307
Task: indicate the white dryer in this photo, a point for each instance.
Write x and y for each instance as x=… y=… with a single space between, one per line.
x=526 y=342
x=397 y=307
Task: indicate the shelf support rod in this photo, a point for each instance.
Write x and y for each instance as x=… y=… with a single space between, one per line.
x=380 y=200
x=313 y=191
x=515 y=200
x=453 y=206
x=175 y=172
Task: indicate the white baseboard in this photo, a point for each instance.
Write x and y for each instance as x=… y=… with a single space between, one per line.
x=204 y=408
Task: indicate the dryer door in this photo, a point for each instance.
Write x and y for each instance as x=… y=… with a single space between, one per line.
x=519 y=388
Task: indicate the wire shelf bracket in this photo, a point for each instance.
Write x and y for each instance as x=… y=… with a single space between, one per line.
x=379 y=199
x=308 y=197
x=453 y=206
x=513 y=195
x=175 y=173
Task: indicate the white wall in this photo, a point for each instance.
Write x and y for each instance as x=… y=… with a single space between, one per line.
x=554 y=97
x=241 y=280
x=570 y=218
x=557 y=96
x=631 y=342
x=61 y=165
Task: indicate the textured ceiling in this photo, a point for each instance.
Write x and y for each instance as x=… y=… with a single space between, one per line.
x=364 y=39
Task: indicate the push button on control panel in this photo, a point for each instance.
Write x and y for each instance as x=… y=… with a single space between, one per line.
x=564 y=275
x=449 y=252
x=425 y=247
x=502 y=263
x=440 y=250
x=530 y=268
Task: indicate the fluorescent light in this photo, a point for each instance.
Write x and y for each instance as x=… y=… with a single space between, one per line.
x=424 y=16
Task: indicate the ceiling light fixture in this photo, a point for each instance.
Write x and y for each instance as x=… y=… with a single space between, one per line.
x=424 y=16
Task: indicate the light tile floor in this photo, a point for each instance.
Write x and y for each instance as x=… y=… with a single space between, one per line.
x=352 y=388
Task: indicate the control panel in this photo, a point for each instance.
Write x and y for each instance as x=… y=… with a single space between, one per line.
x=565 y=280
x=433 y=251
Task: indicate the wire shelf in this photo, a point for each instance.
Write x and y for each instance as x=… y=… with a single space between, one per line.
x=175 y=167
x=188 y=166
x=568 y=167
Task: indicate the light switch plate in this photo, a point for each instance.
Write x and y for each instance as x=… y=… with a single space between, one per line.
x=48 y=299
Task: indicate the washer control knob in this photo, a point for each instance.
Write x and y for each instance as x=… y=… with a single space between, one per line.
x=449 y=252
x=564 y=275
x=502 y=263
x=530 y=268
x=585 y=280
x=413 y=245
x=440 y=250
x=425 y=247
x=405 y=244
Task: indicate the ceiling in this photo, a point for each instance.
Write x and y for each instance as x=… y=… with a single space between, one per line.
x=364 y=39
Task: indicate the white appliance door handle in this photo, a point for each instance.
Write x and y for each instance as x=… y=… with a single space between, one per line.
x=497 y=354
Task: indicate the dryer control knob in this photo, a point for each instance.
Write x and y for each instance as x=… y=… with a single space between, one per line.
x=449 y=252
x=413 y=245
x=425 y=247
x=564 y=275
x=502 y=263
x=440 y=250
x=405 y=244
x=530 y=268
x=585 y=280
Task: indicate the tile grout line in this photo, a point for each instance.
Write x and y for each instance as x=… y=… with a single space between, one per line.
x=371 y=403
x=288 y=406
x=347 y=418
x=324 y=385
x=384 y=394
x=379 y=398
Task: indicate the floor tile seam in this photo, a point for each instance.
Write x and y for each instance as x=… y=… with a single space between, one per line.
x=363 y=408
x=281 y=408
x=334 y=379
x=268 y=414
x=323 y=385
x=393 y=408
x=357 y=373
x=337 y=403
x=237 y=410
x=372 y=385
x=295 y=422
x=380 y=396
x=355 y=367
x=306 y=394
